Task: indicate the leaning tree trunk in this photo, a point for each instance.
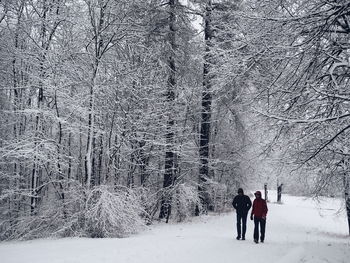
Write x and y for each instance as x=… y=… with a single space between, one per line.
x=205 y=125
x=91 y=133
x=165 y=209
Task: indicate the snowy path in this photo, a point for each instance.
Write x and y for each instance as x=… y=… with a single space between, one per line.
x=296 y=232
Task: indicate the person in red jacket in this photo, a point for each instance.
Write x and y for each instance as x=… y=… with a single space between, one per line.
x=259 y=212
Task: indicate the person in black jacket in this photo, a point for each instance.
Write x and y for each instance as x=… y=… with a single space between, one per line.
x=242 y=204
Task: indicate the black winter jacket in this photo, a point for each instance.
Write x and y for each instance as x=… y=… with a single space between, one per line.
x=242 y=204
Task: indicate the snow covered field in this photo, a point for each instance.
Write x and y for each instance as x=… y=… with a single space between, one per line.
x=297 y=231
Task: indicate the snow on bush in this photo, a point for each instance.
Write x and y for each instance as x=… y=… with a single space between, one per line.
x=149 y=200
x=184 y=200
x=98 y=212
x=48 y=221
x=112 y=213
x=220 y=196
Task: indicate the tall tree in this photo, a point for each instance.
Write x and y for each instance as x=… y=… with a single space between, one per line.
x=169 y=173
x=205 y=124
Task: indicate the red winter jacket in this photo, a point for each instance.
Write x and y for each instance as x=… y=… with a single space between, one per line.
x=259 y=208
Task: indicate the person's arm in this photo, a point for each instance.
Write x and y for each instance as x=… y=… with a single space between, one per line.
x=234 y=202
x=249 y=203
x=265 y=210
x=252 y=213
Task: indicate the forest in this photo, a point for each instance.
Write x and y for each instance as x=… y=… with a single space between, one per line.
x=115 y=114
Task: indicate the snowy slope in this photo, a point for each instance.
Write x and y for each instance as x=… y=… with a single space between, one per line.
x=300 y=230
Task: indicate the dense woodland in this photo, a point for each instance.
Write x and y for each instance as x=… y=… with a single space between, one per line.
x=117 y=113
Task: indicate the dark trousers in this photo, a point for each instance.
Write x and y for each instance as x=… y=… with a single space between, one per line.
x=262 y=223
x=241 y=227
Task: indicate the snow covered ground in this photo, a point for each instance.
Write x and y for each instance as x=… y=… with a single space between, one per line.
x=300 y=230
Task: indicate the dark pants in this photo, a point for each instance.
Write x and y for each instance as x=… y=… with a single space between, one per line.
x=262 y=223
x=241 y=228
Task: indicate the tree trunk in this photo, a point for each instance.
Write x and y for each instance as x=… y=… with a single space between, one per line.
x=99 y=171
x=70 y=157
x=59 y=145
x=205 y=125
x=346 y=181
x=98 y=26
x=143 y=162
x=165 y=209
x=90 y=139
x=279 y=193
x=40 y=98
x=14 y=183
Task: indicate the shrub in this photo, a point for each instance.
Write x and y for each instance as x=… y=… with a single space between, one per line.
x=112 y=213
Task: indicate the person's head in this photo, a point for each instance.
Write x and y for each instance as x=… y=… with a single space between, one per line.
x=240 y=191
x=257 y=194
